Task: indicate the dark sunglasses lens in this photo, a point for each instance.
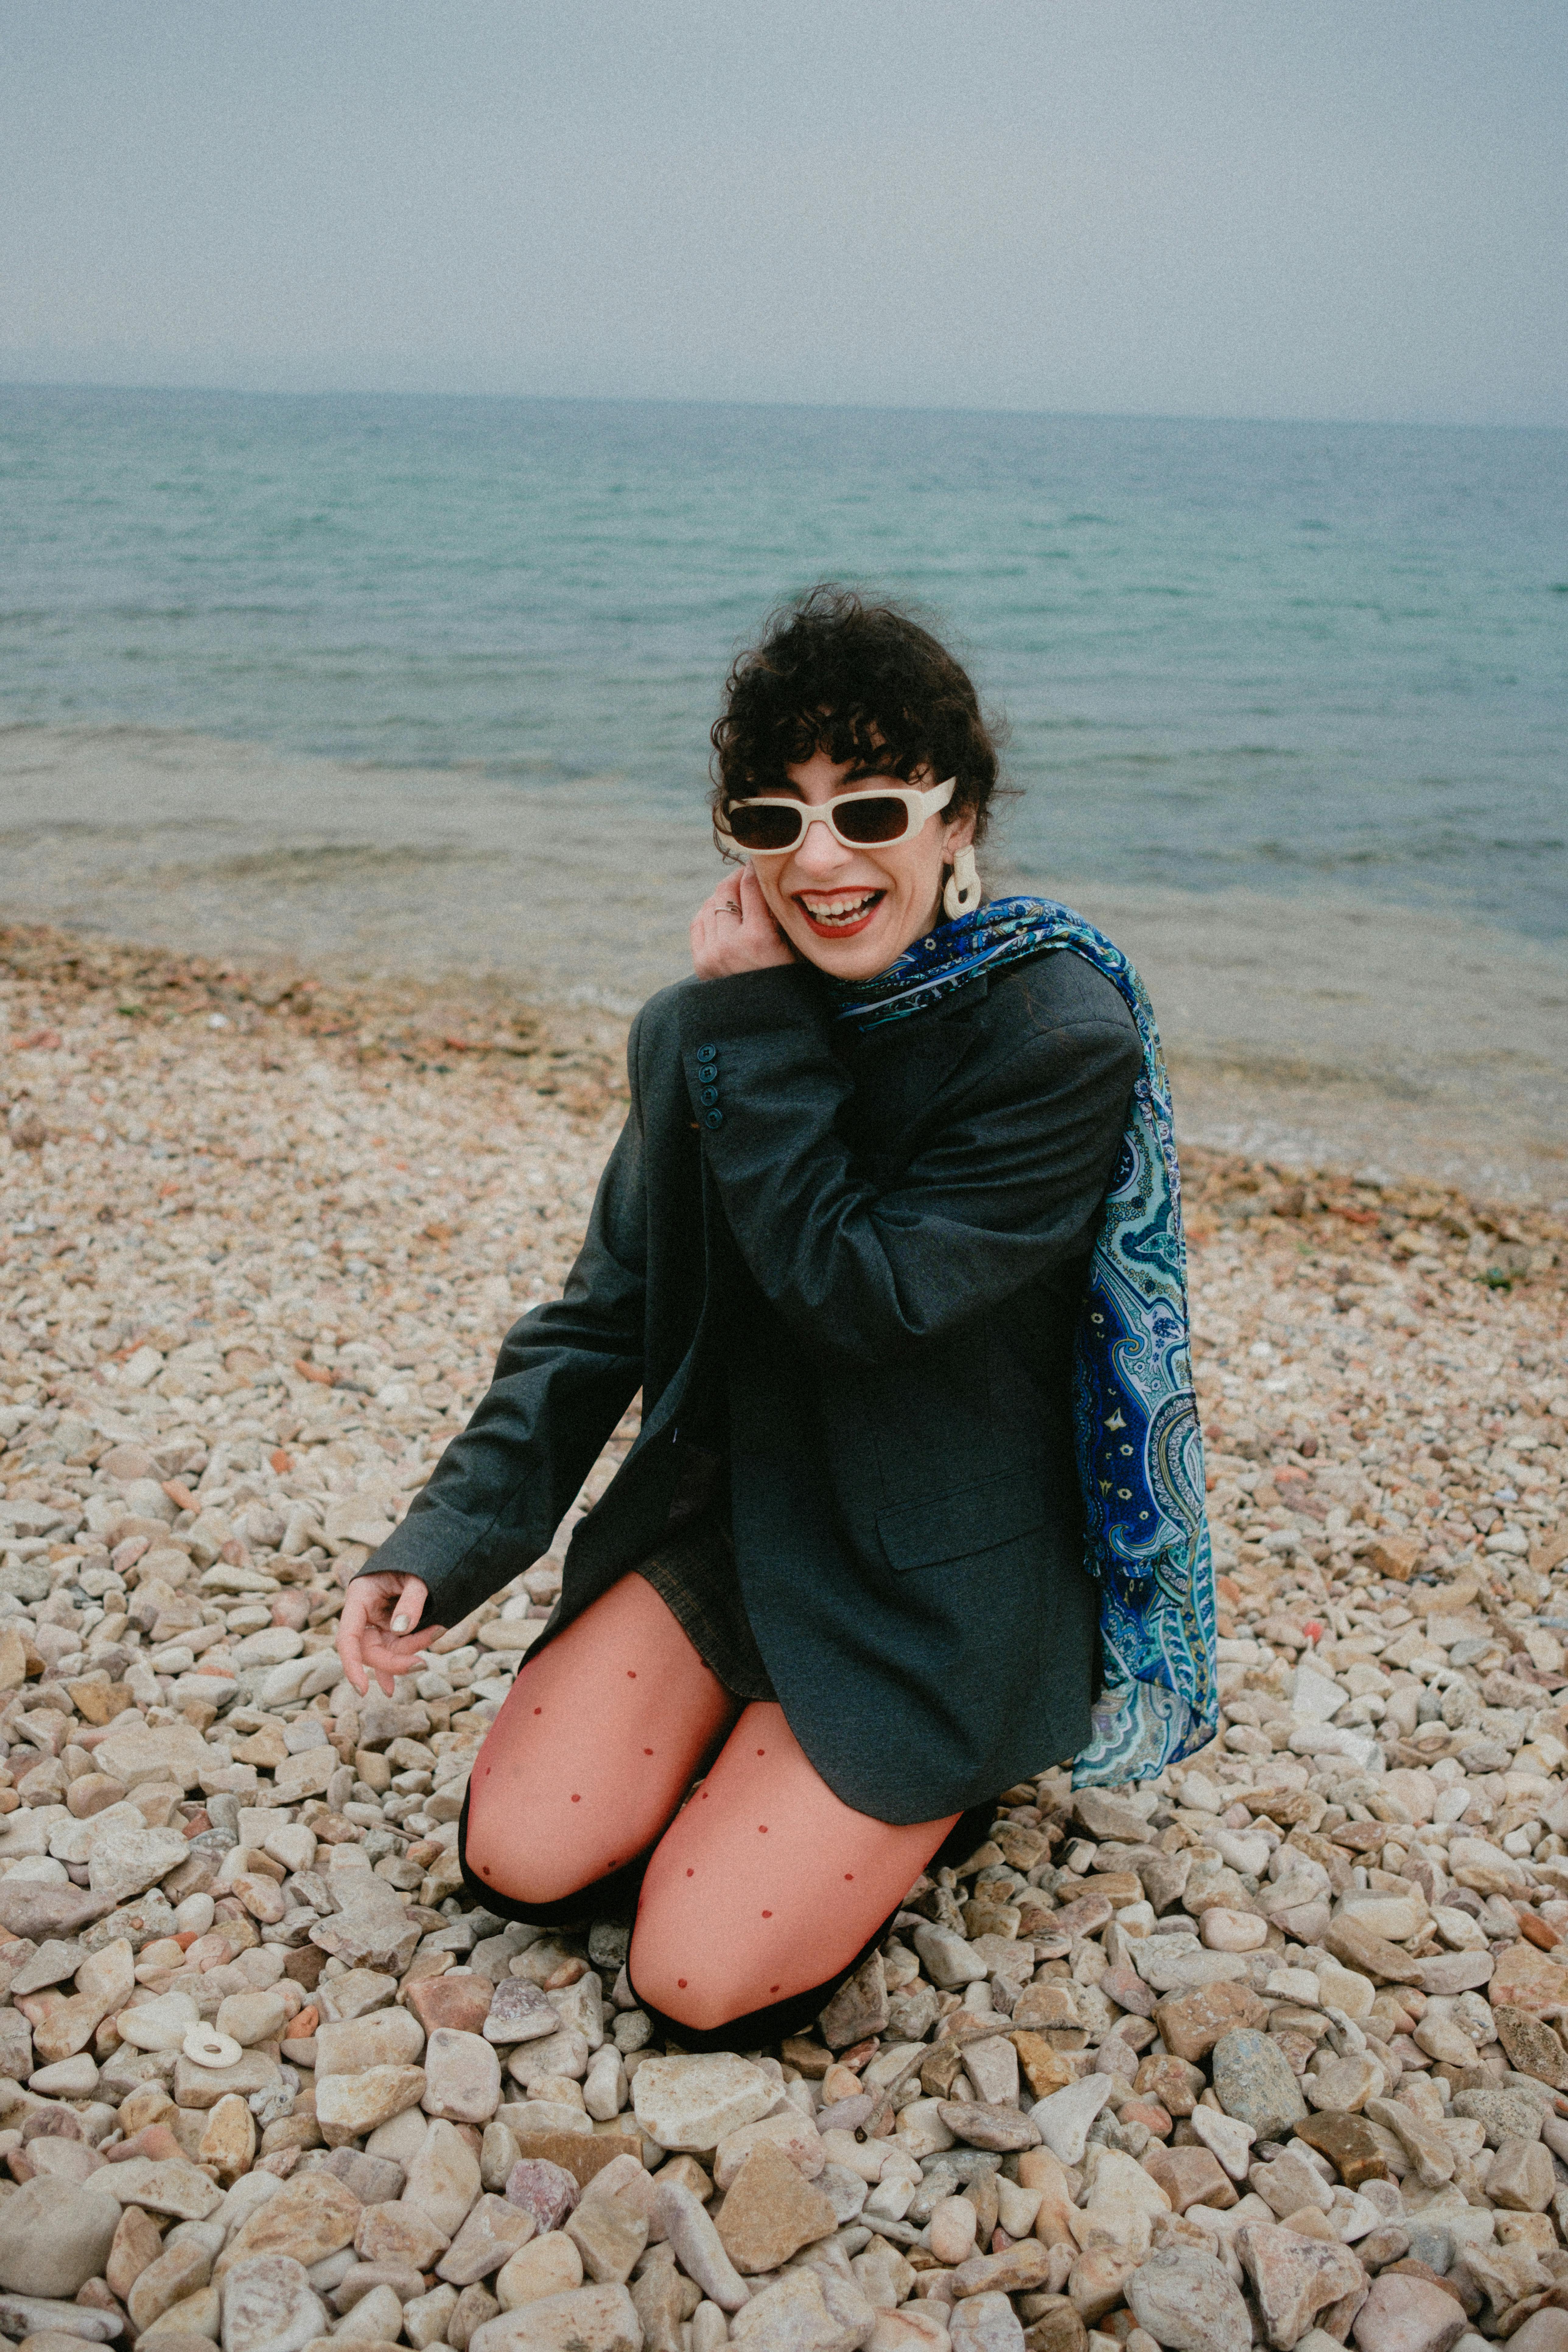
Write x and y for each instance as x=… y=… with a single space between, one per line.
x=872 y=816
x=764 y=828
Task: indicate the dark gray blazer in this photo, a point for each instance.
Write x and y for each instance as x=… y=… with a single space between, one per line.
x=859 y=1257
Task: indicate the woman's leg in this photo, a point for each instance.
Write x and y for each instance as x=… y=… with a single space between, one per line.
x=599 y=1740
x=767 y=1884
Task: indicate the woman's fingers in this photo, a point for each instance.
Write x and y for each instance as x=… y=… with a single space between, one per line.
x=734 y=931
x=410 y=1606
x=375 y=1632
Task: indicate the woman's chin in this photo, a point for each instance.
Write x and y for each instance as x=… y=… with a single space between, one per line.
x=857 y=958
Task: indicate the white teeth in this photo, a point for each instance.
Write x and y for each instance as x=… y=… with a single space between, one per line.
x=839 y=910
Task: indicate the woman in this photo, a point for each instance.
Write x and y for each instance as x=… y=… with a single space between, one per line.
x=854 y=1245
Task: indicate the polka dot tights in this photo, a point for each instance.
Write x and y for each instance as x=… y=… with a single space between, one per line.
x=764 y=1885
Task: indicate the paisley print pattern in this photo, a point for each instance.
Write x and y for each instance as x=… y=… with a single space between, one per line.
x=1140 y=1454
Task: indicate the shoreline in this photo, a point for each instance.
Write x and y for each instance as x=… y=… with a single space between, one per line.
x=1303 y=1030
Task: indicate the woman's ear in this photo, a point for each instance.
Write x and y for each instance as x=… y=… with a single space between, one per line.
x=957 y=836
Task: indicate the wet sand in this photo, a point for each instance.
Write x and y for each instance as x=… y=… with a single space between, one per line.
x=1304 y=1031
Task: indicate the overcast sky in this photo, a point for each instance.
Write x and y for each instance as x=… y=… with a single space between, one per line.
x=1319 y=208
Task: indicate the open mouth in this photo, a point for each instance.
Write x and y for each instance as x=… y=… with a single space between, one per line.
x=839 y=914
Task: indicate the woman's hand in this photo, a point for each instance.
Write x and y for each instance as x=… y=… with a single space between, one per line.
x=734 y=931
x=375 y=1632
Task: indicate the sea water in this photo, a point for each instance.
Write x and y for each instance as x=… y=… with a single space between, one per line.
x=1277 y=658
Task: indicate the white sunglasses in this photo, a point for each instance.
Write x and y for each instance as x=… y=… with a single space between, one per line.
x=767 y=827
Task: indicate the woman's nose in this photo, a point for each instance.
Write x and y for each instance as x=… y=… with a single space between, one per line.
x=820 y=852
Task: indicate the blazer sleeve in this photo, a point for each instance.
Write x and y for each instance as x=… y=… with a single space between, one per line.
x=1007 y=1190
x=564 y=1376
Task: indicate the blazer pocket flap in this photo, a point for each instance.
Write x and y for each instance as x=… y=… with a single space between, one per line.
x=965 y=1519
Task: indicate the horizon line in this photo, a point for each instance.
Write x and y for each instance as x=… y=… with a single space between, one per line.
x=813 y=407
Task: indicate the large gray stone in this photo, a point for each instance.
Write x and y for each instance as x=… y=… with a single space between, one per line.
x=55 y=2236
x=1252 y=2081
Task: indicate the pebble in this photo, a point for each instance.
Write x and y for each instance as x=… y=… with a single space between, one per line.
x=351 y=2107
x=1254 y=2084
x=400 y=2234
x=1187 y=2301
x=950 y=2229
x=494 y=2231
x=770 y=2213
x=546 y=2191
x=698 y=2248
x=590 y=2319
x=55 y=2237
x=1063 y=2119
x=1370 y=1863
x=462 y=2077
x=985 y=2322
x=609 y=2234
x=548 y=2265
x=791 y=2316
x=268 y=2306
x=306 y=2220
x=1408 y=2315
x=692 y=2103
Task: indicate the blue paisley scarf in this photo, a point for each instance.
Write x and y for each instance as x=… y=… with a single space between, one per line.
x=1140 y=1456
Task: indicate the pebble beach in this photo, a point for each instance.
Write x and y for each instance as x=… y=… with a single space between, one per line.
x=1266 y=2051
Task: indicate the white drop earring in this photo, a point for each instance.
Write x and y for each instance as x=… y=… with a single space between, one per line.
x=962 y=895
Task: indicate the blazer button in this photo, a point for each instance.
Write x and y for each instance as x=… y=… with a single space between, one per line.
x=709 y=1094
x=712 y=1118
x=708 y=1053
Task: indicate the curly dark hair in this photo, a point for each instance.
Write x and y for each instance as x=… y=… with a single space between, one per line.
x=861 y=681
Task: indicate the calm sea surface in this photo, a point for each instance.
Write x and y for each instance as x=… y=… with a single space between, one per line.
x=1292 y=658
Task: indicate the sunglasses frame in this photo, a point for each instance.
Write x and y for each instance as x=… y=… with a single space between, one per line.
x=920 y=807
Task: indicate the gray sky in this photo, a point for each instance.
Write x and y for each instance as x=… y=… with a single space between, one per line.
x=1235 y=207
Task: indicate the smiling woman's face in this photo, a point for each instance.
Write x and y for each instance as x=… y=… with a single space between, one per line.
x=853 y=911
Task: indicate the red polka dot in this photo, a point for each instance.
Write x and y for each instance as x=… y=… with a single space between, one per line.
x=848 y=1875
x=767 y=1914
x=761 y=1829
x=681 y=1982
x=648 y=1751
x=762 y=1751
x=539 y=1710
x=576 y=1801
x=772 y=1988
x=631 y=1674
x=691 y=1873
